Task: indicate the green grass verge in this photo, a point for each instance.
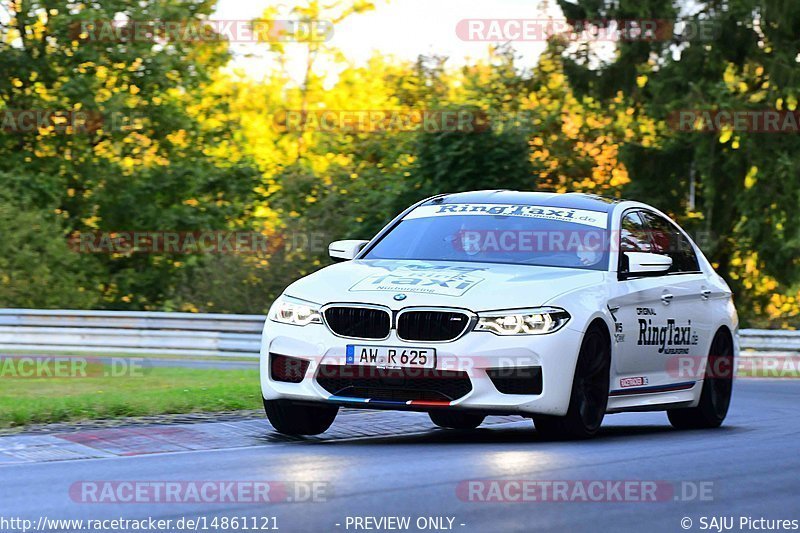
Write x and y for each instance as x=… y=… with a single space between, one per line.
x=156 y=391
x=131 y=355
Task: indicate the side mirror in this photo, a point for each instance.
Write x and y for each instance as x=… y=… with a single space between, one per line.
x=345 y=250
x=644 y=263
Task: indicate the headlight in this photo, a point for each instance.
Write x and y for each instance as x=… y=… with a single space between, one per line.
x=523 y=322
x=287 y=310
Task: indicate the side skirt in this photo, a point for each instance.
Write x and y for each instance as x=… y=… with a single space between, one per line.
x=655 y=398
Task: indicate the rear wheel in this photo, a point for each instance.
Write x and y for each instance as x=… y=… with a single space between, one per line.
x=589 y=398
x=456 y=420
x=715 y=399
x=293 y=419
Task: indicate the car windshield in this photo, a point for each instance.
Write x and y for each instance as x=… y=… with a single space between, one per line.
x=499 y=233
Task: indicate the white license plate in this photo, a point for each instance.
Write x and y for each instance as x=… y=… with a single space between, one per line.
x=390 y=356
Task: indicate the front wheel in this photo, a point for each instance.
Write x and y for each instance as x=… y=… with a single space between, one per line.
x=589 y=397
x=715 y=398
x=456 y=420
x=294 y=419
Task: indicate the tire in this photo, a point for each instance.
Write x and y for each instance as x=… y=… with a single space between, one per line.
x=715 y=398
x=293 y=419
x=456 y=420
x=589 y=397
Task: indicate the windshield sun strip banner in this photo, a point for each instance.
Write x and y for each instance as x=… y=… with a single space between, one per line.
x=596 y=219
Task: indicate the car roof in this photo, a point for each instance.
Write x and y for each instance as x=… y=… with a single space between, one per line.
x=573 y=200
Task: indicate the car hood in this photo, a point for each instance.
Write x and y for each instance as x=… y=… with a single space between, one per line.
x=474 y=286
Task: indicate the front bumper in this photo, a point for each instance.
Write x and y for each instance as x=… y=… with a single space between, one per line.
x=473 y=353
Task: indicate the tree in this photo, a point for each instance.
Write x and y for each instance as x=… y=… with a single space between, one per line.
x=37 y=268
x=135 y=142
x=747 y=181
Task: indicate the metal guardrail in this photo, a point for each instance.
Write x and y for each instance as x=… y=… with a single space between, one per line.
x=769 y=340
x=196 y=335
x=136 y=333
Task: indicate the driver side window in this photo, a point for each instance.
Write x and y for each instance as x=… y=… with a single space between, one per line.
x=633 y=236
x=667 y=240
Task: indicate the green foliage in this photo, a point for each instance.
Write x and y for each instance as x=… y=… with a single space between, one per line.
x=456 y=161
x=148 y=155
x=37 y=268
x=175 y=143
x=748 y=184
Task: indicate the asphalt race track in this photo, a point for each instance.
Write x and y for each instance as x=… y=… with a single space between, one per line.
x=377 y=464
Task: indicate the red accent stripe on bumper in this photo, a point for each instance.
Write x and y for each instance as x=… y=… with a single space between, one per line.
x=430 y=403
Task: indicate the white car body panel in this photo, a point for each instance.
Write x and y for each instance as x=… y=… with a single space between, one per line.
x=642 y=377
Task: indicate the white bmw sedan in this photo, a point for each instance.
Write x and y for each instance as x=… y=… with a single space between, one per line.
x=557 y=307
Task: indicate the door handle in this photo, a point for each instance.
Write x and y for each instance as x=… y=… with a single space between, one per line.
x=705 y=293
x=666 y=298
